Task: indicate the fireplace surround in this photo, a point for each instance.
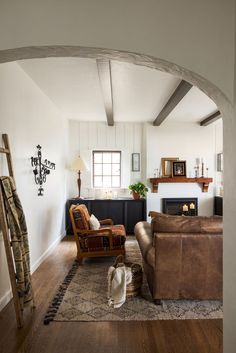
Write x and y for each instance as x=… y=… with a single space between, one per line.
x=180 y=206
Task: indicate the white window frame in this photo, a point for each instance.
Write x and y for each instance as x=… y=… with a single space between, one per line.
x=93 y=175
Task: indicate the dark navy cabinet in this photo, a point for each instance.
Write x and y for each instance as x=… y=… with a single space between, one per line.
x=218 y=205
x=124 y=211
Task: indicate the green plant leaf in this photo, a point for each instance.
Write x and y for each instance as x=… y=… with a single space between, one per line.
x=139 y=187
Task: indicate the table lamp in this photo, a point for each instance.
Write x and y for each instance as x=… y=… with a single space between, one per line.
x=78 y=165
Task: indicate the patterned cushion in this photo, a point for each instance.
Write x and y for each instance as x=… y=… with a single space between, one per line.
x=81 y=217
x=100 y=243
x=117 y=229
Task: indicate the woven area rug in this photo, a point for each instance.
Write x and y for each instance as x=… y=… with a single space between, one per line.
x=83 y=297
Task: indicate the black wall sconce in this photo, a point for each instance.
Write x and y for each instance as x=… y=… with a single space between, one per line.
x=41 y=169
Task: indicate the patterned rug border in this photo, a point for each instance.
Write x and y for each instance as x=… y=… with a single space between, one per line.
x=61 y=291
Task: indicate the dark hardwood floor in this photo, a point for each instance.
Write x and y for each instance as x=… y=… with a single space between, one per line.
x=186 y=336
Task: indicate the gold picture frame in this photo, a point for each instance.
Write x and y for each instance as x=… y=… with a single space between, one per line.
x=166 y=166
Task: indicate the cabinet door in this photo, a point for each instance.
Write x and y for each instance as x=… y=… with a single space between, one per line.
x=99 y=209
x=135 y=211
x=108 y=209
x=116 y=211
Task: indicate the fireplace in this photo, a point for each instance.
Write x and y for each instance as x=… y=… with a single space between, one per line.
x=180 y=206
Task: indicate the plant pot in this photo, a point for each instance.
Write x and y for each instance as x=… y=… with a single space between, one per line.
x=136 y=195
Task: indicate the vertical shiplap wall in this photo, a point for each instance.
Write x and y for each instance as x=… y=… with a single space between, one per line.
x=84 y=137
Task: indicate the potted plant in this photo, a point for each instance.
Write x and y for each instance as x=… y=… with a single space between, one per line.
x=138 y=190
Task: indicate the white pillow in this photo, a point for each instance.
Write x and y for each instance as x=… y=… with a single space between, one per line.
x=94 y=223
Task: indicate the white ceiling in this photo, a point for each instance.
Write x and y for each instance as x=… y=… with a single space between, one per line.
x=139 y=93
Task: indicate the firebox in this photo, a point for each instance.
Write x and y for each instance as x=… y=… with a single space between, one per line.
x=180 y=206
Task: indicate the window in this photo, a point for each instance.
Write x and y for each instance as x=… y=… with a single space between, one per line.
x=106 y=169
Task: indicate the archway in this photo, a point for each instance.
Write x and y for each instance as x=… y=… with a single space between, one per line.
x=140 y=59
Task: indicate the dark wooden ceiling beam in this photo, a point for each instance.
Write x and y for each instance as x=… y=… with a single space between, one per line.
x=104 y=72
x=176 y=97
x=211 y=119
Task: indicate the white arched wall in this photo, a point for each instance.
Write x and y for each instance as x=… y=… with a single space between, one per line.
x=197 y=36
x=212 y=91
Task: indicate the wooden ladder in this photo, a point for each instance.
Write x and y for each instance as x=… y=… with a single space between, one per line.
x=6 y=236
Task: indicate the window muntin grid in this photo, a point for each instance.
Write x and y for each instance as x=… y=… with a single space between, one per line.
x=106 y=169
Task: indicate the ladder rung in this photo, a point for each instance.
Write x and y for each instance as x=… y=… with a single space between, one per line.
x=4 y=150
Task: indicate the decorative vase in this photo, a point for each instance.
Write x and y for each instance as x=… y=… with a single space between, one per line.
x=136 y=195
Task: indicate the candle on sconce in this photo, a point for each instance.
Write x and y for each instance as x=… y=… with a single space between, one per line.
x=185 y=208
x=192 y=206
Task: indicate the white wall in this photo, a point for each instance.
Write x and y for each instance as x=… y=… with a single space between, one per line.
x=85 y=137
x=187 y=142
x=29 y=118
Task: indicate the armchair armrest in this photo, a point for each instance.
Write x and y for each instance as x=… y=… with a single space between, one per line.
x=106 y=221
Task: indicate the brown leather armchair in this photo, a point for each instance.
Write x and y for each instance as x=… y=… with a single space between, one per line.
x=182 y=256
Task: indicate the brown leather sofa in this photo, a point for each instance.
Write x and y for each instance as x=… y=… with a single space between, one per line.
x=182 y=256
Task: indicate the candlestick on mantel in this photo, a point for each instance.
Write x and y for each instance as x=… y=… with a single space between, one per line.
x=202 y=169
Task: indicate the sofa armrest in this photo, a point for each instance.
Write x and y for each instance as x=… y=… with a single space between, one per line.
x=143 y=235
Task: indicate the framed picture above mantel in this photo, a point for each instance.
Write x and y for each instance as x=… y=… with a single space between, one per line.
x=179 y=168
x=219 y=162
x=166 y=166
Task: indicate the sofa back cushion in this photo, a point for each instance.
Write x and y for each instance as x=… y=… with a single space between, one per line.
x=163 y=223
x=212 y=225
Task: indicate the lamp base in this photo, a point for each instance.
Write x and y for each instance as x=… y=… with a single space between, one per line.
x=79 y=183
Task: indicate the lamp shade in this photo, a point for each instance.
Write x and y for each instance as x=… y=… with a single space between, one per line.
x=78 y=164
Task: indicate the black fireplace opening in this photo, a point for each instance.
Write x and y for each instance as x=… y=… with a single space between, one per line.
x=180 y=206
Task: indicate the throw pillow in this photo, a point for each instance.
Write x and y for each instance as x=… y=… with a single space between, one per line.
x=94 y=223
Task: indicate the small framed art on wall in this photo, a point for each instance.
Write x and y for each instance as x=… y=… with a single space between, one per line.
x=135 y=162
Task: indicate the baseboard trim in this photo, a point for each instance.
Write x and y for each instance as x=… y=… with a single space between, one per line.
x=8 y=295
x=5 y=299
x=46 y=253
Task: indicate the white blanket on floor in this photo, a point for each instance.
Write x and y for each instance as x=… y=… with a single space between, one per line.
x=118 y=278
